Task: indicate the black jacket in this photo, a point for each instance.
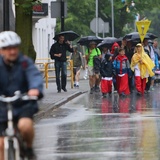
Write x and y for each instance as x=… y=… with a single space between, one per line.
x=129 y=53
x=60 y=48
x=107 y=69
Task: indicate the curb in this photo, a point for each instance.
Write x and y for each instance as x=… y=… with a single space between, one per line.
x=44 y=113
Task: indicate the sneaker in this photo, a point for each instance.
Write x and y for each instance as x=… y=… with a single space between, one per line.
x=59 y=91
x=97 y=89
x=139 y=93
x=30 y=154
x=152 y=88
x=110 y=94
x=77 y=86
x=146 y=91
x=115 y=91
x=64 y=89
x=74 y=85
x=92 y=90
x=85 y=77
x=104 y=95
x=122 y=95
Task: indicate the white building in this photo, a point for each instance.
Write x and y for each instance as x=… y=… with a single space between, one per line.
x=43 y=30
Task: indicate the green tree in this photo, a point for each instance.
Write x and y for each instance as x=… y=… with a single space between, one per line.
x=24 y=25
x=154 y=16
x=81 y=12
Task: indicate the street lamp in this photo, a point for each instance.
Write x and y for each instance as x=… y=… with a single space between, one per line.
x=112 y=13
x=133 y=4
x=6 y=15
x=96 y=17
x=62 y=15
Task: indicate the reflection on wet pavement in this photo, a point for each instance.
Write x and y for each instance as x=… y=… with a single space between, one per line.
x=93 y=128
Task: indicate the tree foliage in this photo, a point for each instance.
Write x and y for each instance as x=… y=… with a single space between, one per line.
x=154 y=16
x=24 y=25
x=81 y=12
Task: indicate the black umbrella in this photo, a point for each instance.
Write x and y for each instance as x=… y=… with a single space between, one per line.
x=152 y=36
x=69 y=35
x=108 y=42
x=84 y=41
x=134 y=36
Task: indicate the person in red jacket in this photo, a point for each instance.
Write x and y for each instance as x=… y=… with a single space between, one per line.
x=122 y=68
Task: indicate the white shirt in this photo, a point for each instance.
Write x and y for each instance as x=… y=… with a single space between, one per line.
x=138 y=73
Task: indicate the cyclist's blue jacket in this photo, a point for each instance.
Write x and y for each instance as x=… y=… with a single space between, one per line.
x=22 y=75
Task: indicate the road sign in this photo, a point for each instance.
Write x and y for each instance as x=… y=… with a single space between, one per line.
x=56 y=9
x=100 y=25
x=106 y=27
x=143 y=27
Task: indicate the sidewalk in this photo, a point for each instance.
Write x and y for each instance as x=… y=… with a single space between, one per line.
x=52 y=99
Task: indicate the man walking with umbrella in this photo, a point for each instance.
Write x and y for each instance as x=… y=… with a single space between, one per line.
x=58 y=53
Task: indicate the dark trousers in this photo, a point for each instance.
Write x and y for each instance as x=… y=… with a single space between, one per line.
x=131 y=82
x=61 y=69
x=148 y=84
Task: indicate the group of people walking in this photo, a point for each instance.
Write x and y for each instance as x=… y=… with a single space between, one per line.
x=124 y=66
x=127 y=66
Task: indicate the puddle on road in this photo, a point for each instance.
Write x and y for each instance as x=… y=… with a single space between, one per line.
x=92 y=128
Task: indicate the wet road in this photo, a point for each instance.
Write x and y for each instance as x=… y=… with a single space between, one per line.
x=93 y=128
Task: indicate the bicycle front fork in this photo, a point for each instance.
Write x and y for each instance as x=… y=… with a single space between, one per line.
x=11 y=148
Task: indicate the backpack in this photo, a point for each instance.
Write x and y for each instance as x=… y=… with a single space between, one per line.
x=96 y=63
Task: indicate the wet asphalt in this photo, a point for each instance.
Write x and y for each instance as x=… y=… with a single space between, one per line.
x=94 y=128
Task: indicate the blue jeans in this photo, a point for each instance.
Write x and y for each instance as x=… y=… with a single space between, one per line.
x=61 y=67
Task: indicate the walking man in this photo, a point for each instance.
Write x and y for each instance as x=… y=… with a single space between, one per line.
x=149 y=50
x=93 y=69
x=58 y=53
x=77 y=58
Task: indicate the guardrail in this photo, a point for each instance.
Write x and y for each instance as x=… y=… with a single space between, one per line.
x=48 y=65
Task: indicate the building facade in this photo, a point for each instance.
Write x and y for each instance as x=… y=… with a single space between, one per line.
x=43 y=26
x=43 y=31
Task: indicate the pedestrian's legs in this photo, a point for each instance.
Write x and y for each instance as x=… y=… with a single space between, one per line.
x=114 y=84
x=130 y=81
x=110 y=86
x=143 y=84
x=97 y=80
x=57 y=71
x=78 y=75
x=122 y=85
x=1 y=148
x=138 y=84
x=152 y=83
x=104 y=86
x=91 y=81
x=25 y=126
x=148 y=84
x=64 y=75
x=118 y=82
x=74 y=74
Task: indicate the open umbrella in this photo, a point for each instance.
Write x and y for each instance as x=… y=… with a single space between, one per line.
x=134 y=36
x=84 y=41
x=152 y=36
x=108 y=42
x=69 y=35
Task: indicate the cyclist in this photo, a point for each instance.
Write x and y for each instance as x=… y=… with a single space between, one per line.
x=18 y=72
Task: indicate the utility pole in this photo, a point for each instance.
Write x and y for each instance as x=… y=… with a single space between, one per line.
x=97 y=18
x=6 y=25
x=62 y=15
x=112 y=8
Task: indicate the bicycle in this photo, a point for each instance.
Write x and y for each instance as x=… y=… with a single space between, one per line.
x=14 y=146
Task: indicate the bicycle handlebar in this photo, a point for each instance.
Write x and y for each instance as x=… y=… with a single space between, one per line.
x=17 y=95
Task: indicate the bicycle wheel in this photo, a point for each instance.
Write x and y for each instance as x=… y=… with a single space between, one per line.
x=11 y=151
